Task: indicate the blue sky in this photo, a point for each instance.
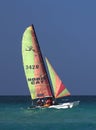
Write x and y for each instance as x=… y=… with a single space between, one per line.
x=66 y=31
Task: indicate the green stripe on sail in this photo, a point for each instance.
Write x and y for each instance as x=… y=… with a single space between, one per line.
x=28 y=59
x=65 y=92
x=52 y=74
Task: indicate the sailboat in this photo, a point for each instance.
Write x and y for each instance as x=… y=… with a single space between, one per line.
x=36 y=73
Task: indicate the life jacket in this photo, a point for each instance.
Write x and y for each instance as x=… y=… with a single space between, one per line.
x=48 y=102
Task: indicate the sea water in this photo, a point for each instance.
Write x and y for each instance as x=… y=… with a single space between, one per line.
x=14 y=115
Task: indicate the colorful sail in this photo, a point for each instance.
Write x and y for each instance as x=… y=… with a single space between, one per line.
x=34 y=68
x=59 y=88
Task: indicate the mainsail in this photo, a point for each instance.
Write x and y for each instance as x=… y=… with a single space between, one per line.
x=59 y=88
x=34 y=68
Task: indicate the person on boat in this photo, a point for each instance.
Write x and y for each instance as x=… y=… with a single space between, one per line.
x=48 y=102
x=40 y=102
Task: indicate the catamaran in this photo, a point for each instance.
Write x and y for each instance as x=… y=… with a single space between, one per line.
x=36 y=73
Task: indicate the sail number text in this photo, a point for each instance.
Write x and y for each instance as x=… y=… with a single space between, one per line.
x=32 y=66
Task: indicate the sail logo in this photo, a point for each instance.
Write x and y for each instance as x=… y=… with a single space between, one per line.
x=40 y=95
x=38 y=80
x=29 y=48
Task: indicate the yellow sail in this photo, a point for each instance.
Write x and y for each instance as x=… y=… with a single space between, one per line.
x=34 y=68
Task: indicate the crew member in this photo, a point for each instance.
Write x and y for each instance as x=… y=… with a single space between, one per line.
x=48 y=102
x=40 y=102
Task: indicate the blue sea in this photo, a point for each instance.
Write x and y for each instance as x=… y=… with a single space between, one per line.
x=14 y=115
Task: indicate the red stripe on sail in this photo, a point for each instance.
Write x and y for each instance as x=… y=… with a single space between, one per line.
x=42 y=87
x=61 y=88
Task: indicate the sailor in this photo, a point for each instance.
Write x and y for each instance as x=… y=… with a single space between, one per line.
x=40 y=102
x=48 y=102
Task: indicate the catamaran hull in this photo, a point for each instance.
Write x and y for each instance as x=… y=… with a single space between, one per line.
x=59 y=106
x=65 y=105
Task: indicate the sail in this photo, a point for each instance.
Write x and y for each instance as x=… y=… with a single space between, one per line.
x=34 y=68
x=59 y=88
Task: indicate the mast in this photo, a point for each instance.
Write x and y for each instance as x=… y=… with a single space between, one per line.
x=42 y=60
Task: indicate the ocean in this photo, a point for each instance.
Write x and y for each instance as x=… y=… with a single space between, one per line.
x=14 y=115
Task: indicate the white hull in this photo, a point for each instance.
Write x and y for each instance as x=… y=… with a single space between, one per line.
x=65 y=105
x=59 y=106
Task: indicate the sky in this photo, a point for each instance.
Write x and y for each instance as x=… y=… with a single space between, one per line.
x=66 y=31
